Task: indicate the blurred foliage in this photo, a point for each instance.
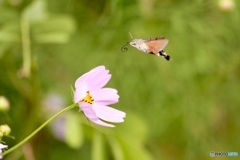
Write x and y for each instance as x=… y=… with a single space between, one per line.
x=181 y=109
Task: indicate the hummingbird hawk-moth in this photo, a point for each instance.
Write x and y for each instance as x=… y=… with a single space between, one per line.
x=153 y=46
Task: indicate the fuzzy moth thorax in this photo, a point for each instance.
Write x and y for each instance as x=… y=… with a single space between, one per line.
x=140 y=44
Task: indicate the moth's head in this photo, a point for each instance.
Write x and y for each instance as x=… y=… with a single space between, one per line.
x=136 y=42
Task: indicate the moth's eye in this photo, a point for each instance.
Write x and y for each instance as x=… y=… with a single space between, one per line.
x=134 y=44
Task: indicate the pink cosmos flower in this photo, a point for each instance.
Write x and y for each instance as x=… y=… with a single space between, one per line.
x=93 y=98
x=2 y=147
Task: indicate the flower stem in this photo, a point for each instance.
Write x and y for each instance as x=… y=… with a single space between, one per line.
x=38 y=129
x=26 y=46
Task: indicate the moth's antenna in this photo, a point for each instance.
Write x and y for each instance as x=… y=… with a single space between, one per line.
x=130 y=35
x=124 y=48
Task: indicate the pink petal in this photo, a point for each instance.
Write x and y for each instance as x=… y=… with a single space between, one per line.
x=99 y=122
x=105 y=96
x=80 y=92
x=84 y=76
x=109 y=114
x=91 y=115
x=88 y=111
x=98 y=79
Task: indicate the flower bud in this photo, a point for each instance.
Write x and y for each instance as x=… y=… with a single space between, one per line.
x=4 y=104
x=226 y=5
x=5 y=130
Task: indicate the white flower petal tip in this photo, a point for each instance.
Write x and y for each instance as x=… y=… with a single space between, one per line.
x=93 y=98
x=2 y=146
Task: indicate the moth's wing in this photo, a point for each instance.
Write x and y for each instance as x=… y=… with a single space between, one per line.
x=157 y=44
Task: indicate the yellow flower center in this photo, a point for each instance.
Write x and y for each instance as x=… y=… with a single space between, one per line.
x=88 y=99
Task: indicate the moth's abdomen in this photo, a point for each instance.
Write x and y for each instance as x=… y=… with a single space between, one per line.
x=164 y=54
x=167 y=57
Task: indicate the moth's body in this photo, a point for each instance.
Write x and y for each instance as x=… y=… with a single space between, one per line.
x=152 y=46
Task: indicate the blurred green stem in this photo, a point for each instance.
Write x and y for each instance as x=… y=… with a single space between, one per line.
x=26 y=46
x=39 y=128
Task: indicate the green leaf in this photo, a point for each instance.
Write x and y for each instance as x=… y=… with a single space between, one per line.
x=74 y=134
x=52 y=38
x=7 y=15
x=131 y=138
x=48 y=31
x=10 y=32
x=36 y=11
x=134 y=127
x=116 y=148
x=98 y=152
x=3 y=48
x=134 y=149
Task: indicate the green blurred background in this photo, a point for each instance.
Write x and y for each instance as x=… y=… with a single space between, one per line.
x=180 y=109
